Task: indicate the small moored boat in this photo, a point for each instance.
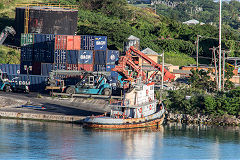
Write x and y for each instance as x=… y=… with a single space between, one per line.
x=138 y=109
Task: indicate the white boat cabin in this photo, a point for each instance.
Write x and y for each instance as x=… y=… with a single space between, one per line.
x=139 y=102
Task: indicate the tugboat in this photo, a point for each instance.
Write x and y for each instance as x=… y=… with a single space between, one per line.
x=137 y=109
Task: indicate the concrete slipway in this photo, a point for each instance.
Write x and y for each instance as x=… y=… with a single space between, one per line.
x=35 y=107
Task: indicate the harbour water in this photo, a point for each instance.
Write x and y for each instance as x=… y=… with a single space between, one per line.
x=20 y=139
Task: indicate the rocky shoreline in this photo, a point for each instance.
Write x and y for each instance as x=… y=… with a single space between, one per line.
x=225 y=120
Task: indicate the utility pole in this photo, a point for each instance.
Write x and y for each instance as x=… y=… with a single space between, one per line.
x=220 y=43
x=223 y=69
x=224 y=57
x=162 y=69
x=197 y=48
x=215 y=64
x=161 y=99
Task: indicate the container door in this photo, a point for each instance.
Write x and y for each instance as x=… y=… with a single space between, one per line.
x=100 y=43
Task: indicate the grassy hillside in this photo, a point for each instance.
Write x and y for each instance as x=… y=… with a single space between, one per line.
x=9 y=56
x=118 y=20
x=7 y=16
x=155 y=31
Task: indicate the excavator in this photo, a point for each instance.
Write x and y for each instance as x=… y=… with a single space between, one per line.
x=6 y=31
x=127 y=62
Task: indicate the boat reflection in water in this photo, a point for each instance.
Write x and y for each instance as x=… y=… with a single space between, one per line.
x=137 y=142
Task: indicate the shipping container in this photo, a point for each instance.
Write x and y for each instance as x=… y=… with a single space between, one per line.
x=35 y=82
x=58 y=66
x=49 y=48
x=27 y=39
x=60 y=56
x=44 y=48
x=24 y=65
x=109 y=68
x=39 y=38
x=87 y=42
x=86 y=57
x=73 y=42
x=46 y=68
x=79 y=57
x=38 y=53
x=73 y=56
x=60 y=42
x=112 y=57
x=98 y=67
x=100 y=42
x=80 y=67
x=27 y=53
x=49 y=52
x=36 y=68
x=10 y=68
x=100 y=57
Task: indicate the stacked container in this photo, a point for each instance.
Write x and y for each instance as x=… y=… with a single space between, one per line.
x=27 y=41
x=46 y=52
x=100 y=52
x=10 y=68
x=80 y=60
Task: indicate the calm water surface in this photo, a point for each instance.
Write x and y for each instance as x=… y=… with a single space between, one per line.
x=46 y=140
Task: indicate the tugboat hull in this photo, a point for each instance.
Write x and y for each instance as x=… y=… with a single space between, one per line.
x=112 y=123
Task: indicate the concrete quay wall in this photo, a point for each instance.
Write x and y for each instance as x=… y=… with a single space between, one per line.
x=45 y=117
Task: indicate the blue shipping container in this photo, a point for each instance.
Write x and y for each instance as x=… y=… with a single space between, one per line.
x=79 y=57
x=39 y=53
x=99 y=68
x=100 y=43
x=109 y=68
x=112 y=57
x=86 y=57
x=44 y=48
x=27 y=53
x=10 y=68
x=87 y=42
x=41 y=38
x=46 y=68
x=100 y=57
x=59 y=66
x=35 y=83
x=72 y=56
x=60 y=56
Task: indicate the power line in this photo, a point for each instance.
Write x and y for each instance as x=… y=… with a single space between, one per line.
x=218 y=39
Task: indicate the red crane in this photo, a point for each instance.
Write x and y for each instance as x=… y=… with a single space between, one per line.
x=128 y=61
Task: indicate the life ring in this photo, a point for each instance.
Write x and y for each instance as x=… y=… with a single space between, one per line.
x=150 y=107
x=140 y=110
x=150 y=100
x=147 y=91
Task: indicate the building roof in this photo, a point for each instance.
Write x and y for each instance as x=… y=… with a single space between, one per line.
x=133 y=38
x=149 y=51
x=181 y=71
x=193 y=21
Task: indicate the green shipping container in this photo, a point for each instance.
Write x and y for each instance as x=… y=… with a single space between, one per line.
x=27 y=39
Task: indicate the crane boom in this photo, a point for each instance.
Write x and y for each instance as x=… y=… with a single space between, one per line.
x=127 y=60
x=167 y=74
x=6 y=31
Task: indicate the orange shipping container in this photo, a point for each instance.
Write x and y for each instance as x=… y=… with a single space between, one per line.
x=73 y=42
x=80 y=67
x=60 y=42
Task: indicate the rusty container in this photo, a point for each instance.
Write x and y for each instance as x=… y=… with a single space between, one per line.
x=80 y=67
x=73 y=42
x=60 y=42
